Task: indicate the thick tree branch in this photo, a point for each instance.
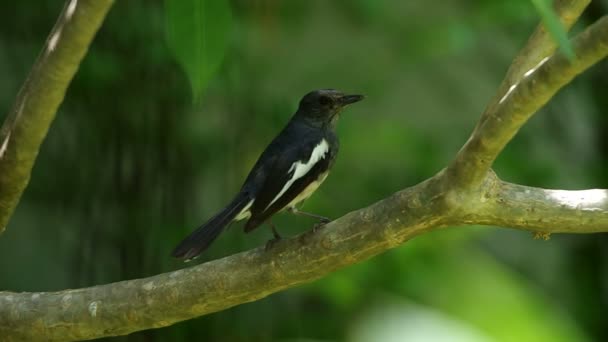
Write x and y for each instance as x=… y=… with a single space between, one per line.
x=124 y=307
x=43 y=91
x=521 y=101
x=538 y=210
x=128 y=306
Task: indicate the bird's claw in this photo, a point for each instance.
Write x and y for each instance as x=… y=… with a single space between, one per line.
x=322 y=222
x=270 y=243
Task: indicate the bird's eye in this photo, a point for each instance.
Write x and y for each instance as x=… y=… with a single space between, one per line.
x=324 y=100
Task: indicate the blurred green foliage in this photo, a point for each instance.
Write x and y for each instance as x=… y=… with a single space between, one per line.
x=197 y=34
x=131 y=165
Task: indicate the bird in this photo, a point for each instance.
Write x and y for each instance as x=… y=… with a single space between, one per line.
x=287 y=172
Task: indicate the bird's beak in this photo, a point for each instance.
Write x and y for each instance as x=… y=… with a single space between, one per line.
x=348 y=99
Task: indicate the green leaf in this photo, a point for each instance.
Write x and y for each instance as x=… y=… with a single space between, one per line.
x=554 y=26
x=197 y=33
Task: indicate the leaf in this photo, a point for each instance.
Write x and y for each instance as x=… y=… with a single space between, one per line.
x=197 y=33
x=554 y=26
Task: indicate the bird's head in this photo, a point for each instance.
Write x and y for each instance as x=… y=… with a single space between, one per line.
x=321 y=107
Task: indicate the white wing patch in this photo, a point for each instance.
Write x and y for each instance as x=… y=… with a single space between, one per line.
x=300 y=169
x=245 y=213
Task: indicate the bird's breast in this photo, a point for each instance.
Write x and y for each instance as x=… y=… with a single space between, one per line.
x=309 y=190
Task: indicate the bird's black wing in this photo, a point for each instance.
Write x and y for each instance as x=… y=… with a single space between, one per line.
x=280 y=172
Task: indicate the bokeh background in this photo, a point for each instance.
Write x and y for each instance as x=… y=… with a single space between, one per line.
x=135 y=160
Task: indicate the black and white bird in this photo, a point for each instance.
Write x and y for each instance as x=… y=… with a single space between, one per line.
x=291 y=168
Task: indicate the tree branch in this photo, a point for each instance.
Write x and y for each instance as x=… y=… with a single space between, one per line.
x=538 y=210
x=127 y=306
x=522 y=100
x=26 y=125
x=539 y=45
x=124 y=307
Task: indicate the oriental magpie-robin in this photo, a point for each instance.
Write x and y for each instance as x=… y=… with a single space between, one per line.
x=291 y=168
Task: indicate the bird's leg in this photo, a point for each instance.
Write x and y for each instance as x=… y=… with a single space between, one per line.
x=322 y=219
x=275 y=234
x=276 y=237
x=297 y=211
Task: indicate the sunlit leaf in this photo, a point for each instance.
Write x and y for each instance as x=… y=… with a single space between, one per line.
x=554 y=26
x=197 y=34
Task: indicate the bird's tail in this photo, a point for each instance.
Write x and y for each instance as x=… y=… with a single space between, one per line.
x=195 y=243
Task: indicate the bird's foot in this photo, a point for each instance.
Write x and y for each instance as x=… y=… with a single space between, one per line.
x=322 y=222
x=270 y=243
x=276 y=237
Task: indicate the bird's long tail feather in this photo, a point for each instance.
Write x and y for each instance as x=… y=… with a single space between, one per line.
x=199 y=240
